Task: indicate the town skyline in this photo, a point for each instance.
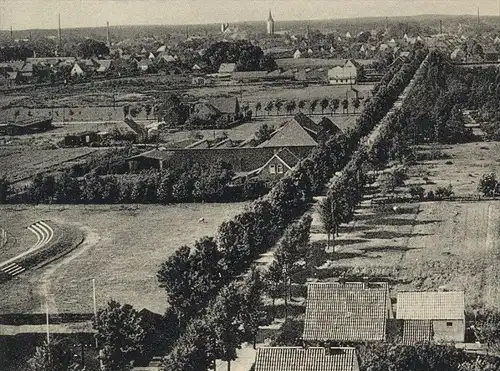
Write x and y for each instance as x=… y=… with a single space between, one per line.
x=23 y=15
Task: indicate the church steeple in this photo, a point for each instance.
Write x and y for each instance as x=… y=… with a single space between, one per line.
x=270 y=24
x=270 y=18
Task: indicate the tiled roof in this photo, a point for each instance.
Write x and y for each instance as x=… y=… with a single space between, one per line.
x=306 y=359
x=288 y=157
x=225 y=105
x=346 y=312
x=306 y=122
x=417 y=331
x=290 y=134
x=430 y=305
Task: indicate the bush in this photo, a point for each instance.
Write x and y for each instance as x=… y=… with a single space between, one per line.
x=416 y=191
x=488 y=185
x=444 y=192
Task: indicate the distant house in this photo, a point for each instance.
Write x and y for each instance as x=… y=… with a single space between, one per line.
x=275 y=168
x=76 y=70
x=305 y=359
x=431 y=316
x=27 y=126
x=144 y=64
x=201 y=80
x=345 y=74
x=297 y=54
x=457 y=55
x=228 y=107
x=26 y=71
x=347 y=312
x=226 y=69
x=104 y=65
x=85 y=138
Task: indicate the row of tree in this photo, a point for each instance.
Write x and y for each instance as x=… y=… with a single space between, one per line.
x=192 y=183
x=193 y=280
x=292 y=105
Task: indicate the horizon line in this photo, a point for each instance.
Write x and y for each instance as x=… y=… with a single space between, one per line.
x=254 y=21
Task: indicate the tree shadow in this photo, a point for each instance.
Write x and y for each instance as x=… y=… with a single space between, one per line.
x=346 y=255
x=387 y=249
x=354 y=228
x=390 y=235
x=348 y=241
x=400 y=222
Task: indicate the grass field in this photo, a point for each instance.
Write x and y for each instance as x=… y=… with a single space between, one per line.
x=264 y=93
x=467 y=163
x=434 y=245
x=123 y=250
x=21 y=162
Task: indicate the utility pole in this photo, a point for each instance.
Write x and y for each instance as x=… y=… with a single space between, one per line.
x=478 y=19
x=11 y=34
x=440 y=26
x=59 y=36
x=95 y=304
x=108 y=42
x=47 y=320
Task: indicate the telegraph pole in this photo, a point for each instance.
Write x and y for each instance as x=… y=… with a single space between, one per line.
x=95 y=304
x=47 y=320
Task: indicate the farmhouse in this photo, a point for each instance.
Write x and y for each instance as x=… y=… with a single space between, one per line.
x=228 y=107
x=345 y=74
x=28 y=126
x=347 y=312
x=431 y=316
x=314 y=358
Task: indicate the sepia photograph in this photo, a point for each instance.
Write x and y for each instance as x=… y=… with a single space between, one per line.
x=249 y=185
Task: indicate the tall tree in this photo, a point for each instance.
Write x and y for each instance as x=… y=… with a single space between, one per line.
x=312 y=105
x=302 y=104
x=120 y=335
x=258 y=107
x=252 y=307
x=224 y=318
x=323 y=104
x=290 y=106
x=345 y=106
x=269 y=107
x=334 y=105
x=278 y=105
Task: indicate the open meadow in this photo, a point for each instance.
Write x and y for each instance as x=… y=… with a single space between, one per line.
x=429 y=246
x=123 y=249
x=22 y=162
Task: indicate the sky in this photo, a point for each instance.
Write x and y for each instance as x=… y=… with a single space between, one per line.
x=26 y=14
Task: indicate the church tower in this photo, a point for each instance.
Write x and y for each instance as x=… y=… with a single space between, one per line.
x=270 y=24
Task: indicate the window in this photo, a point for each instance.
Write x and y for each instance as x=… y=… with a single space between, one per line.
x=280 y=169
x=272 y=169
x=449 y=324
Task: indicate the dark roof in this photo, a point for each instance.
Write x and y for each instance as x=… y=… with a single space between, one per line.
x=31 y=121
x=292 y=133
x=306 y=359
x=346 y=312
x=416 y=331
x=430 y=305
x=225 y=105
x=288 y=157
x=328 y=124
x=242 y=159
x=306 y=122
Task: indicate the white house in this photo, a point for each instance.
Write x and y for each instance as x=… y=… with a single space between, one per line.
x=297 y=54
x=76 y=70
x=343 y=75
